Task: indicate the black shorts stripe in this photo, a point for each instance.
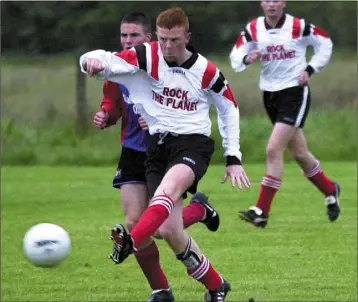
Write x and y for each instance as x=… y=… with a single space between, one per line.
x=219 y=84
x=302 y=111
x=142 y=57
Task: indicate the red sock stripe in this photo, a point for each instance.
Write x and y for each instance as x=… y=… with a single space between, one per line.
x=164 y=201
x=316 y=169
x=202 y=269
x=270 y=181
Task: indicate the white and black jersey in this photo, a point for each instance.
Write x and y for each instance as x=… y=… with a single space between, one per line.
x=283 y=50
x=174 y=98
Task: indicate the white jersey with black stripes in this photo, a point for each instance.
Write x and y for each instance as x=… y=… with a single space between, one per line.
x=173 y=98
x=283 y=50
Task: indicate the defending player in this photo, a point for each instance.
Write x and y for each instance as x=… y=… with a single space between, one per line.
x=130 y=175
x=280 y=41
x=174 y=88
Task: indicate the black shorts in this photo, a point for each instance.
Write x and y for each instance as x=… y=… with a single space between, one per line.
x=193 y=150
x=130 y=168
x=289 y=106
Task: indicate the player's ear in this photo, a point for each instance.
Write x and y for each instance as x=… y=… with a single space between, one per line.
x=283 y=4
x=148 y=37
x=187 y=37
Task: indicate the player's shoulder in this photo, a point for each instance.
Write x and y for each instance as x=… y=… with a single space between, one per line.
x=141 y=48
x=254 y=21
x=204 y=63
x=295 y=17
x=118 y=53
x=208 y=71
x=148 y=49
x=297 y=20
x=152 y=45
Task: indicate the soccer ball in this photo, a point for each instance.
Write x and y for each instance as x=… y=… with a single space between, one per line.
x=46 y=244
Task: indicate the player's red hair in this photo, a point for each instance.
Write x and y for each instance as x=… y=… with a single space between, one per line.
x=173 y=17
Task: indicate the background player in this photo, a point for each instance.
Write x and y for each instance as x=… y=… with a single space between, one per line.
x=280 y=40
x=180 y=86
x=130 y=176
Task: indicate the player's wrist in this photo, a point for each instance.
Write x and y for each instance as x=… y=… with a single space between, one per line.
x=244 y=60
x=232 y=160
x=107 y=119
x=309 y=69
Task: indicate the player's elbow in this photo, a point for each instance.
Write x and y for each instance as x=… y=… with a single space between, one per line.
x=237 y=65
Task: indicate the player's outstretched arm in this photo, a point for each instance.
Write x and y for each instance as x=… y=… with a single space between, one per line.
x=244 y=51
x=229 y=128
x=106 y=65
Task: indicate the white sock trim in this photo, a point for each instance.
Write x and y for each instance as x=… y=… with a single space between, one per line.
x=257 y=210
x=160 y=290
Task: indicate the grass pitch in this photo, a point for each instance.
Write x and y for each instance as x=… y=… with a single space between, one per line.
x=300 y=256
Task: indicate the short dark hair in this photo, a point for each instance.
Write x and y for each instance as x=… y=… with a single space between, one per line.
x=139 y=19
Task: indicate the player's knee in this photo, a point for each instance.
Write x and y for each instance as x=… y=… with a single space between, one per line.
x=131 y=221
x=273 y=153
x=166 y=234
x=170 y=190
x=300 y=154
x=157 y=235
x=170 y=233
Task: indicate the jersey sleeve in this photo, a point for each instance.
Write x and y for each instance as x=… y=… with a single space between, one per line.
x=144 y=57
x=116 y=65
x=322 y=47
x=228 y=112
x=112 y=102
x=245 y=43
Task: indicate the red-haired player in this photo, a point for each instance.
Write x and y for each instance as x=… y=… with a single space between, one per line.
x=173 y=87
x=130 y=176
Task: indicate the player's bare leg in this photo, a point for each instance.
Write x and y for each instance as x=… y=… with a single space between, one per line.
x=134 y=202
x=166 y=205
x=281 y=135
x=198 y=210
x=312 y=170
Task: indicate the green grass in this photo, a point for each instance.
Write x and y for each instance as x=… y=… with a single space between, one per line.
x=300 y=256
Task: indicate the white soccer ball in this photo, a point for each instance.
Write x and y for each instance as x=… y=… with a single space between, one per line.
x=46 y=244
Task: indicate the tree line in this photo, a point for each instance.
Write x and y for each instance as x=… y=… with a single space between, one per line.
x=54 y=27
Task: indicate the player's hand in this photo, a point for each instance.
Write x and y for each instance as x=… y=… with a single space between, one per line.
x=253 y=56
x=92 y=66
x=304 y=78
x=143 y=124
x=101 y=118
x=237 y=176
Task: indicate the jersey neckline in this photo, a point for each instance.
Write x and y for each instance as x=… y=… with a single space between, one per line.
x=188 y=63
x=279 y=24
